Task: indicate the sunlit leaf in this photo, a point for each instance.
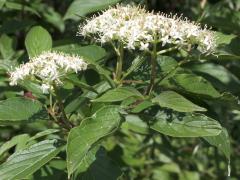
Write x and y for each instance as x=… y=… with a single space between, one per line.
x=18 y=110
x=222 y=142
x=191 y=83
x=37 y=41
x=26 y=162
x=13 y=142
x=80 y=8
x=82 y=138
x=177 y=102
x=190 y=125
x=118 y=94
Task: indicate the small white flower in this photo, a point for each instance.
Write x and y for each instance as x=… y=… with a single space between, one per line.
x=144 y=46
x=48 y=68
x=45 y=88
x=136 y=28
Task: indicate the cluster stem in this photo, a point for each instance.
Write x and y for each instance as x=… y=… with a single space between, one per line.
x=64 y=120
x=153 y=67
x=120 y=54
x=167 y=50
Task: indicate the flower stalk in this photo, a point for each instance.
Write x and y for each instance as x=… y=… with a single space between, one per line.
x=120 y=54
x=153 y=67
x=167 y=50
x=64 y=120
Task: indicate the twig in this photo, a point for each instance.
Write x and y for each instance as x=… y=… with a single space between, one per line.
x=132 y=81
x=153 y=67
x=64 y=118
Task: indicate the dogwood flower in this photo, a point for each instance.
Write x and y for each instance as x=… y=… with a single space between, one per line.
x=47 y=68
x=134 y=27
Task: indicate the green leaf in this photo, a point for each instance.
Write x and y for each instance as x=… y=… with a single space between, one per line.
x=38 y=40
x=52 y=16
x=5 y=65
x=223 y=39
x=227 y=46
x=101 y=167
x=19 y=6
x=227 y=99
x=190 y=125
x=55 y=169
x=82 y=138
x=43 y=133
x=100 y=88
x=218 y=75
x=2 y=2
x=177 y=102
x=80 y=8
x=7 y=46
x=191 y=83
x=118 y=94
x=91 y=52
x=166 y=64
x=24 y=163
x=13 y=142
x=103 y=72
x=222 y=142
x=189 y=175
x=142 y=106
x=137 y=62
x=82 y=99
x=171 y=167
x=18 y=110
x=74 y=80
x=135 y=124
x=223 y=15
x=157 y=172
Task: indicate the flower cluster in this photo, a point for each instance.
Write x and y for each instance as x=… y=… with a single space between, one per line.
x=136 y=28
x=48 y=68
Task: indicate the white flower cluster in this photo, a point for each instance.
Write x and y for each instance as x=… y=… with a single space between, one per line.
x=48 y=68
x=134 y=27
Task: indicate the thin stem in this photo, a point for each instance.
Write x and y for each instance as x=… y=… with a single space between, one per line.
x=60 y=124
x=203 y=13
x=167 y=50
x=154 y=55
x=132 y=81
x=50 y=101
x=153 y=68
x=64 y=118
x=119 y=63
